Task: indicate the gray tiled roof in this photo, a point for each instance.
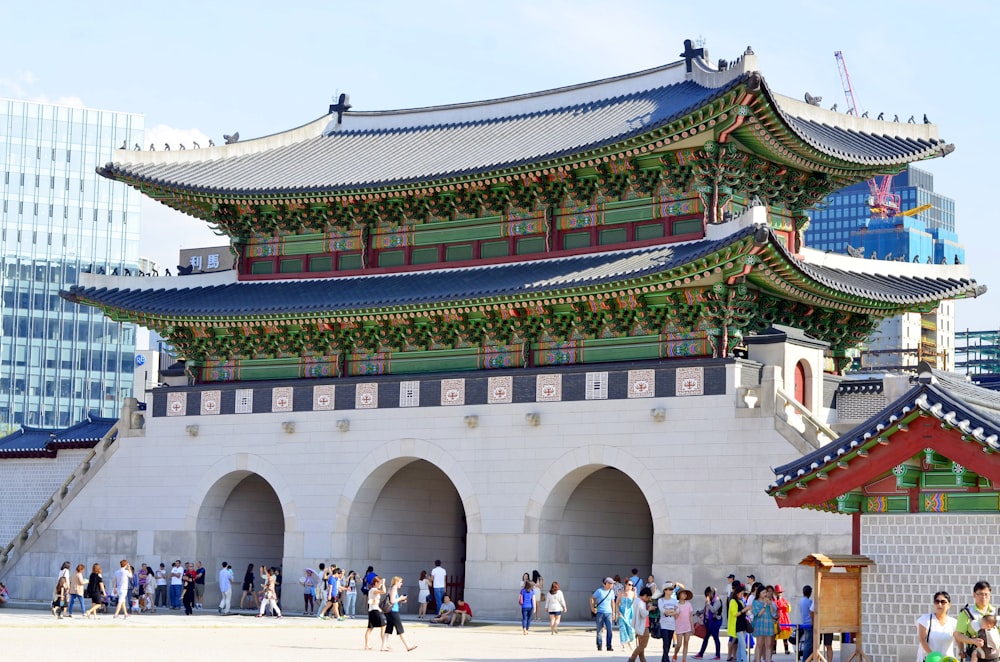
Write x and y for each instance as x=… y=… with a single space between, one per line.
x=938 y=400
x=347 y=159
x=890 y=288
x=851 y=145
x=346 y=293
x=400 y=289
x=378 y=149
x=37 y=442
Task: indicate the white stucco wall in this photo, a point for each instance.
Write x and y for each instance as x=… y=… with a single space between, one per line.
x=702 y=472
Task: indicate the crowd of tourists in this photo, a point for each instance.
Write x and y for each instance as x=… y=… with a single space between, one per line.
x=757 y=616
x=128 y=591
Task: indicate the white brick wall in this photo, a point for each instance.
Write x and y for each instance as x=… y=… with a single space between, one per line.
x=917 y=555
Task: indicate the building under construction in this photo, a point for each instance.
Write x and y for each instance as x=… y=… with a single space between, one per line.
x=977 y=354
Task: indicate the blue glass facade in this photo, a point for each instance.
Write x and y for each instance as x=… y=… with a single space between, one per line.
x=60 y=361
x=844 y=219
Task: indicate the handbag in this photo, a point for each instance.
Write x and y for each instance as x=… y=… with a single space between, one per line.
x=654 y=622
x=700 y=630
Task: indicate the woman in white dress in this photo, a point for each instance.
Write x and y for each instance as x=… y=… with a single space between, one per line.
x=424 y=592
x=537 y=585
x=936 y=631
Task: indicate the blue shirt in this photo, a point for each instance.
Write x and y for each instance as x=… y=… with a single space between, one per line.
x=604 y=600
x=805 y=611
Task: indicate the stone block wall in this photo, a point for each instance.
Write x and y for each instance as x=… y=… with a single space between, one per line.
x=917 y=555
x=27 y=483
x=859 y=406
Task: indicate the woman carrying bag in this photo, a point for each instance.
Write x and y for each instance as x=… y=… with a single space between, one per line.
x=936 y=631
x=711 y=617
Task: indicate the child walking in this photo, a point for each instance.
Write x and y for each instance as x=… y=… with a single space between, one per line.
x=59 y=597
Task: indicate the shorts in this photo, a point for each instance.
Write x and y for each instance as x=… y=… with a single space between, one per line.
x=393 y=624
x=828 y=639
x=376 y=619
x=555 y=613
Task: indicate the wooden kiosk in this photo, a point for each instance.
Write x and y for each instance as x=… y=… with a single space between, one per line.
x=837 y=596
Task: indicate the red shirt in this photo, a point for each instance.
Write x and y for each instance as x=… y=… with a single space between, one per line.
x=464 y=607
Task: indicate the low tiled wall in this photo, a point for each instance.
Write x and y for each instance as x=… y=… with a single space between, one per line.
x=917 y=555
x=27 y=483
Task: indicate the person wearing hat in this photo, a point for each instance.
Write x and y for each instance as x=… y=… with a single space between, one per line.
x=603 y=606
x=784 y=616
x=668 y=616
x=308 y=582
x=683 y=622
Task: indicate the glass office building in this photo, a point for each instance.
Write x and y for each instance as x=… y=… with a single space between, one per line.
x=60 y=362
x=845 y=219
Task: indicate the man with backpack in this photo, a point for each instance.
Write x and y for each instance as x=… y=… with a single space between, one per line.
x=366 y=582
x=969 y=618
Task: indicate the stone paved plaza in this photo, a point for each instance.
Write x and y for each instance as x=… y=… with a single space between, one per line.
x=30 y=635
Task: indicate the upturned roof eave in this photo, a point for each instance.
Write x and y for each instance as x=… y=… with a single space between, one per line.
x=804 y=474
x=790 y=112
x=800 y=286
x=570 y=158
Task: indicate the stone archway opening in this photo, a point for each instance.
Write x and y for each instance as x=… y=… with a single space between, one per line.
x=596 y=522
x=407 y=515
x=241 y=521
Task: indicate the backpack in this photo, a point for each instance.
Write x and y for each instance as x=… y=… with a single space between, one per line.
x=366 y=584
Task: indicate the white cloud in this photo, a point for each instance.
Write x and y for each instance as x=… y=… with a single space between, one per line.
x=19 y=88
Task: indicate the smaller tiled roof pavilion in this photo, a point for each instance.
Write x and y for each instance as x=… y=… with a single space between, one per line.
x=921 y=480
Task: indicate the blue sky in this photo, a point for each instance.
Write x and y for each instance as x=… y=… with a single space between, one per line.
x=204 y=69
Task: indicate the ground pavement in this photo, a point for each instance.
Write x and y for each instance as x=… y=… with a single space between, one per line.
x=28 y=635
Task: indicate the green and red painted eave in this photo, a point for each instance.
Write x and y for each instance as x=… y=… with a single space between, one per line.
x=926 y=423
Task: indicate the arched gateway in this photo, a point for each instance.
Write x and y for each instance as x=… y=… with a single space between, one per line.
x=406 y=515
x=596 y=521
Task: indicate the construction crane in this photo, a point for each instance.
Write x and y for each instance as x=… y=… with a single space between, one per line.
x=882 y=202
x=853 y=108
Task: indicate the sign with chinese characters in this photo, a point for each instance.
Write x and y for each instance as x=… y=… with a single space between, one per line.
x=206 y=259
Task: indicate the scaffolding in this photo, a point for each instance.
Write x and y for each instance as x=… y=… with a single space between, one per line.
x=977 y=352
